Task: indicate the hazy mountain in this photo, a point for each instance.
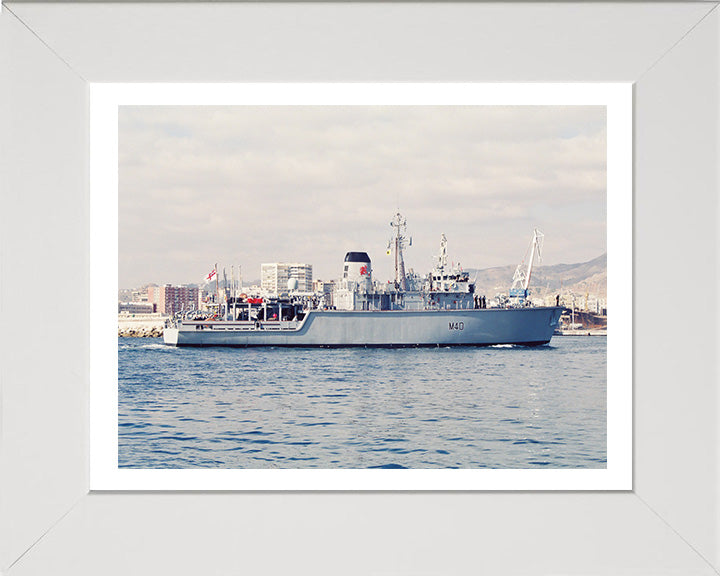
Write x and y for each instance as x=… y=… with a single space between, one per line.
x=580 y=278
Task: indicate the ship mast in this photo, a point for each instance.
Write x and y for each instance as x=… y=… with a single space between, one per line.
x=399 y=241
x=217 y=290
x=442 y=257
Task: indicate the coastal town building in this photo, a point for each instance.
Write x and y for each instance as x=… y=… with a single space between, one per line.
x=137 y=307
x=134 y=294
x=140 y=294
x=171 y=299
x=274 y=276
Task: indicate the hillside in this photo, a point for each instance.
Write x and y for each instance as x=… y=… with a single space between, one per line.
x=580 y=278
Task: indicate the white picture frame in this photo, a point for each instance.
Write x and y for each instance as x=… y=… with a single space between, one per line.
x=666 y=525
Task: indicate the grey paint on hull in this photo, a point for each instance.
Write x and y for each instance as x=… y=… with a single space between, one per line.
x=484 y=327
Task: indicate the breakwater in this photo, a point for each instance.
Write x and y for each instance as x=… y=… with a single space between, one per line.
x=140 y=331
x=141 y=325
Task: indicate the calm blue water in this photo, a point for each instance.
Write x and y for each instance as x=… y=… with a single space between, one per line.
x=497 y=407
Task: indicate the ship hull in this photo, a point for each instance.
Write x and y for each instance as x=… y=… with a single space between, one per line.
x=386 y=329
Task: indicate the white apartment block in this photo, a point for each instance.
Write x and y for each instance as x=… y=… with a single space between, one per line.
x=274 y=276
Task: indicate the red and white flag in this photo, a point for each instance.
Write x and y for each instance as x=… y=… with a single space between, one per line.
x=210 y=277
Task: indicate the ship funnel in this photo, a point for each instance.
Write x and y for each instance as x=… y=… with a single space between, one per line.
x=357 y=268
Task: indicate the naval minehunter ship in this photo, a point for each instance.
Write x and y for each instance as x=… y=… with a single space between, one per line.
x=441 y=309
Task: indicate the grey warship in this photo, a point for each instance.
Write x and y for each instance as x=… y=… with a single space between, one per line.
x=441 y=309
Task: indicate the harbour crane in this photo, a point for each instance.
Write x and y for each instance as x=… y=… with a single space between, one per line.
x=523 y=272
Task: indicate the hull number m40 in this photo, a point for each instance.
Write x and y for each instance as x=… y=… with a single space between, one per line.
x=456 y=325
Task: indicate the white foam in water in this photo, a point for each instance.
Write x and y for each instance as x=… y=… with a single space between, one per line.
x=155 y=347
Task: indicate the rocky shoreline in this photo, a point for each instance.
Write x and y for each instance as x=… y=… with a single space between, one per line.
x=140 y=325
x=141 y=332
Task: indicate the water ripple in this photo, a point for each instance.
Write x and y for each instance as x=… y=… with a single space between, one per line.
x=498 y=407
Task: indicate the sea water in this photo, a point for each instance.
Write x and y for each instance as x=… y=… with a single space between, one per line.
x=491 y=407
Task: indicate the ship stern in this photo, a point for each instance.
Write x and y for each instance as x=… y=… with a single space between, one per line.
x=170 y=336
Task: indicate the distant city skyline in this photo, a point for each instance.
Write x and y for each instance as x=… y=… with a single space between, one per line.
x=241 y=186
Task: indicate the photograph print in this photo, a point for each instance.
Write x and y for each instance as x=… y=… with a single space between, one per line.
x=362 y=287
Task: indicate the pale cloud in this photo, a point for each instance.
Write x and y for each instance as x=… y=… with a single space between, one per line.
x=245 y=185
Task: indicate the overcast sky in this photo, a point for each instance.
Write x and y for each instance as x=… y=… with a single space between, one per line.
x=247 y=184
